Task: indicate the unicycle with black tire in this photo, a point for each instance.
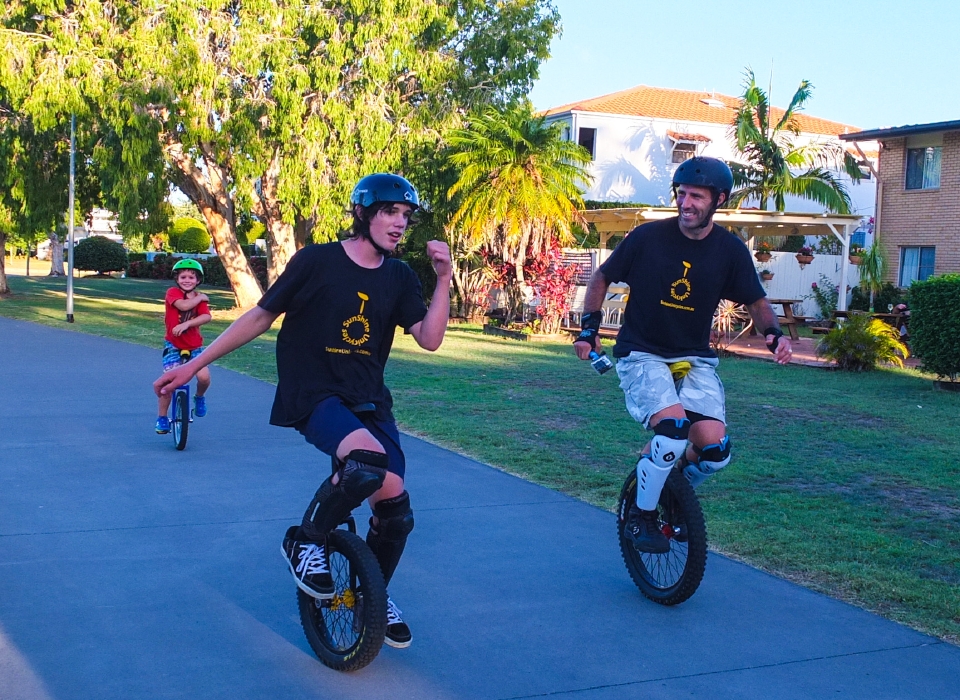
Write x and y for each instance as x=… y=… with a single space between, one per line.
x=670 y=578
x=182 y=417
x=346 y=632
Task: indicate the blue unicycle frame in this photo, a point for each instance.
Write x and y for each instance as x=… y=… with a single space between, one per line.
x=182 y=414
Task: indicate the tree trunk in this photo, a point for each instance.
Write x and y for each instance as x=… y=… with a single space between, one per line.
x=208 y=188
x=281 y=244
x=303 y=229
x=4 y=287
x=56 y=255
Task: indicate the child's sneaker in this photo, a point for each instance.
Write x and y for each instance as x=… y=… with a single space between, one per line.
x=308 y=564
x=398 y=634
x=199 y=406
x=163 y=425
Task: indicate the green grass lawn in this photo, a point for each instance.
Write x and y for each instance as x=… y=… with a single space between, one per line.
x=847 y=484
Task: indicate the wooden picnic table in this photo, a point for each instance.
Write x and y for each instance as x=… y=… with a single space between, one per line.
x=786 y=319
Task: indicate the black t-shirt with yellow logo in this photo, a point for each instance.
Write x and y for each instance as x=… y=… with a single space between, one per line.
x=338 y=330
x=675 y=286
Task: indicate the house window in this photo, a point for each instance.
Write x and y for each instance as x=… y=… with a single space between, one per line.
x=916 y=264
x=683 y=151
x=865 y=172
x=588 y=139
x=923 y=168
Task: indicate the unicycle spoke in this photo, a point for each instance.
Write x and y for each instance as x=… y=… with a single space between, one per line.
x=674 y=576
x=347 y=631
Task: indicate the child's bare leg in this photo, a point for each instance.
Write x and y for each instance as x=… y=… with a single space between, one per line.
x=163 y=404
x=203 y=381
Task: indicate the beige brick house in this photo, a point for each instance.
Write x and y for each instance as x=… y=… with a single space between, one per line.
x=918 y=198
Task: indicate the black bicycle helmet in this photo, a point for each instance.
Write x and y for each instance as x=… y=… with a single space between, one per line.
x=701 y=171
x=384 y=187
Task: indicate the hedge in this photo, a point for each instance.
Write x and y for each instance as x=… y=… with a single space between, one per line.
x=181 y=226
x=193 y=240
x=99 y=254
x=935 y=324
x=213 y=272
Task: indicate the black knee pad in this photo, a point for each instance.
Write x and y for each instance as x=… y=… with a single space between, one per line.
x=388 y=537
x=361 y=475
x=673 y=428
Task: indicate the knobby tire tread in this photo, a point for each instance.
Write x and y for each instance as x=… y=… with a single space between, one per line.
x=181 y=418
x=679 y=503
x=361 y=567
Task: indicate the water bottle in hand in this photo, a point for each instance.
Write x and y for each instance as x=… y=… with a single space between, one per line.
x=600 y=362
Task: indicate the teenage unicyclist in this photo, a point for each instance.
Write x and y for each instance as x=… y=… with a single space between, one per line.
x=342 y=303
x=678 y=270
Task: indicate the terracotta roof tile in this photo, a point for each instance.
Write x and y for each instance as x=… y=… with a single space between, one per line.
x=686 y=105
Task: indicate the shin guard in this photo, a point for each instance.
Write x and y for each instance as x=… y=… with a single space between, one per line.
x=388 y=537
x=360 y=477
x=667 y=446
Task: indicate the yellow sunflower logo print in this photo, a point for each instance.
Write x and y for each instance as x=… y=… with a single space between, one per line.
x=356 y=329
x=680 y=289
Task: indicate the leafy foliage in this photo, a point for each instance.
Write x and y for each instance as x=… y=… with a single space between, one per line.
x=861 y=343
x=776 y=166
x=888 y=294
x=517 y=187
x=179 y=227
x=826 y=294
x=873 y=264
x=193 y=240
x=935 y=324
x=99 y=254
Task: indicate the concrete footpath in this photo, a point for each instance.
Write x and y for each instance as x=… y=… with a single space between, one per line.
x=130 y=570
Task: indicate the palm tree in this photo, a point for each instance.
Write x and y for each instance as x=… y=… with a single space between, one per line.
x=872 y=266
x=775 y=165
x=518 y=183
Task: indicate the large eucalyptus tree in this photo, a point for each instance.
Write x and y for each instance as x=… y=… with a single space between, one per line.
x=281 y=104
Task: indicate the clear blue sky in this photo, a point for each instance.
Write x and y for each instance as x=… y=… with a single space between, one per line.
x=872 y=64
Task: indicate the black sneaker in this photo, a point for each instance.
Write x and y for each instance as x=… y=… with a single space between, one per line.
x=398 y=634
x=643 y=530
x=308 y=564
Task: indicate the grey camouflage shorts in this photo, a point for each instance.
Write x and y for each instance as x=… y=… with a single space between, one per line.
x=648 y=386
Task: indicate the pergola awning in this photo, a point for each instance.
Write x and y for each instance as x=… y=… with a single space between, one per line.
x=753 y=222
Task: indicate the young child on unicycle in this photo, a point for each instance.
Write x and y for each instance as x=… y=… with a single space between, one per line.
x=186 y=310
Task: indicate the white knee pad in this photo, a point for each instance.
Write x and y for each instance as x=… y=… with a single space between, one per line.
x=713 y=458
x=665 y=451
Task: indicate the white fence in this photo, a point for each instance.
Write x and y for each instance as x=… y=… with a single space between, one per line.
x=789 y=280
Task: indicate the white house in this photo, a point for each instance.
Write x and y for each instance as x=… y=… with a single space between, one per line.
x=637 y=137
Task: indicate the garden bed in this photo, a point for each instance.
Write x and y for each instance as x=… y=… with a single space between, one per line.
x=520 y=335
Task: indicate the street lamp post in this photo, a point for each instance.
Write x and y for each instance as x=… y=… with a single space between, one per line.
x=70 y=232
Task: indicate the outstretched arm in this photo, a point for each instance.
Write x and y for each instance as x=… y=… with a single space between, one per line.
x=240 y=332
x=765 y=319
x=429 y=332
x=592 y=303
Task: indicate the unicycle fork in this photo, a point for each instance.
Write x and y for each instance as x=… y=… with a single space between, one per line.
x=182 y=415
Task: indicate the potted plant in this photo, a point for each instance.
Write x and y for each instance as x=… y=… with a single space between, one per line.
x=805 y=256
x=856 y=253
x=766 y=275
x=764 y=249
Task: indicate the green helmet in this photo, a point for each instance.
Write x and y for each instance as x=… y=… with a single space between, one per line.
x=188 y=264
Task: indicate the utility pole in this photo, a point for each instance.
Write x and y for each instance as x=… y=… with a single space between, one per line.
x=70 y=232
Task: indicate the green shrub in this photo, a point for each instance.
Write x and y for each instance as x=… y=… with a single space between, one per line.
x=181 y=226
x=935 y=324
x=193 y=240
x=134 y=257
x=99 y=254
x=861 y=343
x=888 y=294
